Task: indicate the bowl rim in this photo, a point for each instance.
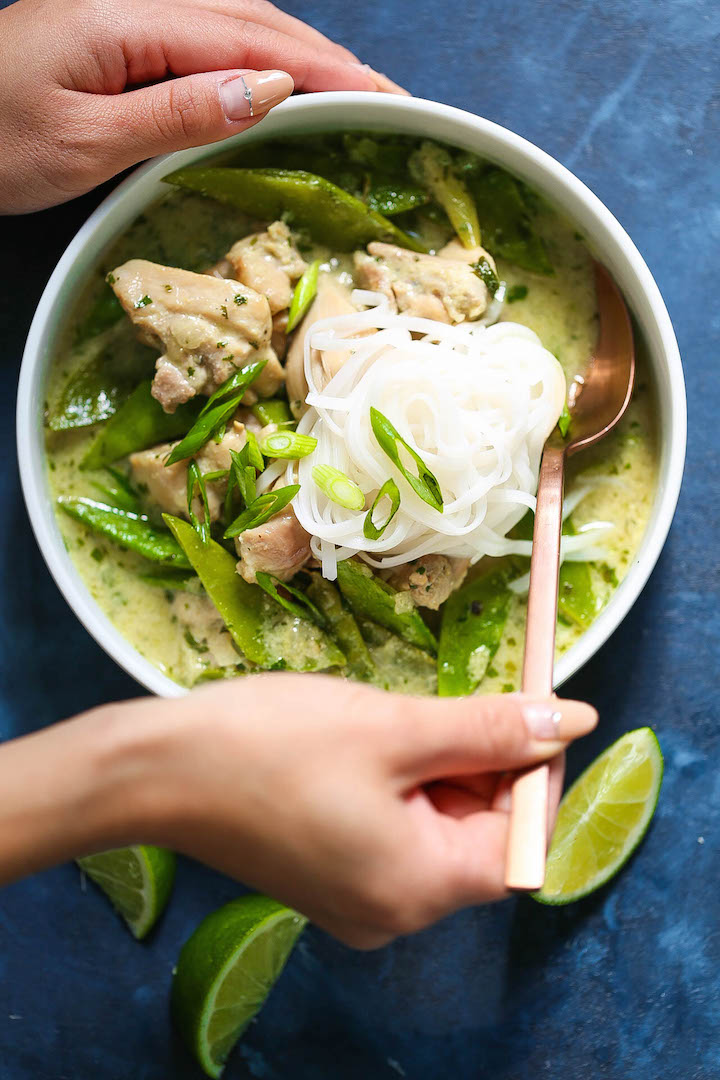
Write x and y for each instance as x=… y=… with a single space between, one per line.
x=311 y=111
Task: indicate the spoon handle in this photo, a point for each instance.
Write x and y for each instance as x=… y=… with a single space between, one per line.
x=527 y=842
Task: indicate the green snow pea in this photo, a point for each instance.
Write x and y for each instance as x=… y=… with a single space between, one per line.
x=103 y=313
x=370 y=596
x=174 y=580
x=473 y=621
x=103 y=377
x=432 y=166
x=139 y=422
x=389 y=197
x=272 y=411
x=342 y=626
x=577 y=600
x=332 y=216
x=506 y=221
x=256 y=623
x=128 y=530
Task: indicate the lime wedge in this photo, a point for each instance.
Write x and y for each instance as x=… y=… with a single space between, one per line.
x=225 y=972
x=137 y=880
x=603 y=817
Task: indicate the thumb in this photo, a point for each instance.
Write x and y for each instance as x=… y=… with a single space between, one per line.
x=190 y=111
x=486 y=734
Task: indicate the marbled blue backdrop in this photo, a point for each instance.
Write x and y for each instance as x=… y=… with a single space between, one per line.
x=624 y=985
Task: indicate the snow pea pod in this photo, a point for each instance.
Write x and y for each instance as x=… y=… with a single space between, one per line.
x=372 y=597
x=343 y=627
x=128 y=530
x=433 y=167
x=577 y=600
x=332 y=216
x=257 y=625
x=506 y=221
x=473 y=622
x=272 y=411
x=103 y=313
x=138 y=423
x=104 y=375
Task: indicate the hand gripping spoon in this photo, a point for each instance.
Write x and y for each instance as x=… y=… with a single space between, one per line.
x=596 y=400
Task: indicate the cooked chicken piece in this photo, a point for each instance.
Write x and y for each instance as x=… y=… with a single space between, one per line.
x=221 y=269
x=207 y=326
x=280 y=547
x=429 y=579
x=279 y=333
x=455 y=250
x=331 y=299
x=166 y=486
x=269 y=263
x=423 y=285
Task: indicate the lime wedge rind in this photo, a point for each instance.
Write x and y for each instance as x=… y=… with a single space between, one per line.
x=575 y=843
x=137 y=880
x=225 y=971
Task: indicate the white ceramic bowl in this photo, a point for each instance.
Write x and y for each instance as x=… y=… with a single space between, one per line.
x=317 y=112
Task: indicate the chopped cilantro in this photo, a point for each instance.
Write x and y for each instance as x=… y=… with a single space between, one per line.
x=240 y=299
x=485 y=272
x=143 y=301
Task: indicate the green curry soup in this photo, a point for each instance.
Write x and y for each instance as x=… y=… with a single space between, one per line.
x=253 y=235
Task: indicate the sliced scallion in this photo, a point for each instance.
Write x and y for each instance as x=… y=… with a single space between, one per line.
x=216 y=413
x=195 y=479
x=304 y=609
x=304 y=295
x=287 y=444
x=261 y=510
x=424 y=485
x=338 y=487
x=389 y=490
x=564 y=421
x=244 y=475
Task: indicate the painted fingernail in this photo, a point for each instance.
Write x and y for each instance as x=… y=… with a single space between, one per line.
x=559 y=720
x=254 y=93
x=382 y=82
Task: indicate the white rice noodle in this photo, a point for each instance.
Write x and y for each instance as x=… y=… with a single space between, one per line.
x=475 y=402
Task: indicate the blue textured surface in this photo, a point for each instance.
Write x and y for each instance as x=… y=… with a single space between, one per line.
x=624 y=985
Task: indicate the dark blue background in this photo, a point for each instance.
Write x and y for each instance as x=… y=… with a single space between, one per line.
x=624 y=985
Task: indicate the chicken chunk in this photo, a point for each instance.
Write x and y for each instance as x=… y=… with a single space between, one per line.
x=166 y=486
x=269 y=263
x=207 y=327
x=280 y=547
x=428 y=286
x=455 y=250
x=429 y=579
x=331 y=299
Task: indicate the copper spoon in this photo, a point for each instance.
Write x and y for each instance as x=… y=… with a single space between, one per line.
x=596 y=402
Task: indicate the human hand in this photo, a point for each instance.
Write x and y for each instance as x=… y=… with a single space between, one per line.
x=371 y=813
x=66 y=123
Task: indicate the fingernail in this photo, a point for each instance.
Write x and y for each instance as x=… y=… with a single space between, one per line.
x=254 y=93
x=559 y=720
x=382 y=82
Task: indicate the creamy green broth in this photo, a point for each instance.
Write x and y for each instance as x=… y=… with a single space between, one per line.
x=180 y=632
